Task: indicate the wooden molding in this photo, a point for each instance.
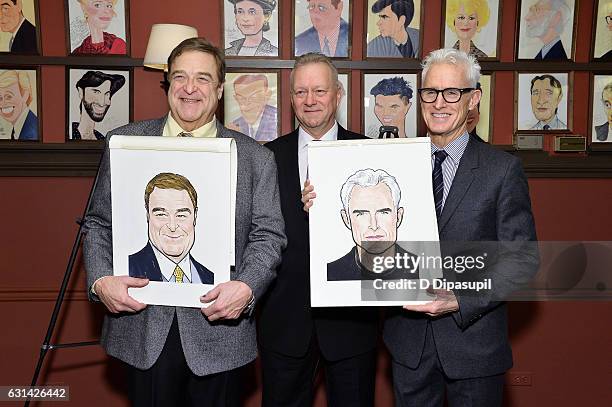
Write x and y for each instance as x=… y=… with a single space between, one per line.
x=40 y=294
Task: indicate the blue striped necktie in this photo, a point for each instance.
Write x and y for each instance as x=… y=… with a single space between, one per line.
x=438 y=180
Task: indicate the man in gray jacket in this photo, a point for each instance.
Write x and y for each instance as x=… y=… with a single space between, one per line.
x=186 y=356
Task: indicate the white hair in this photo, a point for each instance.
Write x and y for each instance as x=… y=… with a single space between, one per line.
x=561 y=7
x=369 y=178
x=454 y=57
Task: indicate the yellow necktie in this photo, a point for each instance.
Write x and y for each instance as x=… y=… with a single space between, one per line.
x=178 y=274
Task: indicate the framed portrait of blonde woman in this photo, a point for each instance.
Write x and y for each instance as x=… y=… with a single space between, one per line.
x=19 y=27
x=602 y=31
x=250 y=28
x=97 y=27
x=472 y=26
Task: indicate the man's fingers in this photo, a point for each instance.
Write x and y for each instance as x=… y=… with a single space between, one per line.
x=211 y=295
x=136 y=282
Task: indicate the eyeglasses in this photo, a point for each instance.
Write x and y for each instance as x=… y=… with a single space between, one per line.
x=319 y=7
x=450 y=95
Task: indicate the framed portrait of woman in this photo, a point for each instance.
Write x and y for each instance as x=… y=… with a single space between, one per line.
x=98 y=101
x=602 y=31
x=250 y=28
x=546 y=30
x=543 y=102
x=19 y=27
x=19 y=113
x=472 y=26
x=393 y=29
x=322 y=26
x=250 y=104
x=601 y=117
x=390 y=99
x=97 y=27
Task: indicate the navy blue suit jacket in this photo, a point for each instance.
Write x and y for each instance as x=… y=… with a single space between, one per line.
x=29 y=131
x=25 y=39
x=488 y=201
x=308 y=41
x=143 y=264
x=556 y=52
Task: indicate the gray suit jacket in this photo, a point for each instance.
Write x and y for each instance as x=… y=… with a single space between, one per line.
x=602 y=132
x=488 y=201
x=385 y=46
x=138 y=339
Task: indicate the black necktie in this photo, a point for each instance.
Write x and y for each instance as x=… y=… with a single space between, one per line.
x=546 y=127
x=13 y=134
x=438 y=180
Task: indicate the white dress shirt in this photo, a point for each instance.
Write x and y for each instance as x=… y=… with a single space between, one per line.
x=303 y=140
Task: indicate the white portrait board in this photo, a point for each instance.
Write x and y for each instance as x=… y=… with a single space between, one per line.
x=330 y=164
x=210 y=167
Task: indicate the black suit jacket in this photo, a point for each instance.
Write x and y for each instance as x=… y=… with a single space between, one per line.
x=488 y=201
x=143 y=264
x=286 y=320
x=556 y=52
x=601 y=132
x=346 y=268
x=25 y=39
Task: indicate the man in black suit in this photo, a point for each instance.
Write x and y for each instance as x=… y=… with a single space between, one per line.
x=289 y=330
x=23 y=33
x=171 y=203
x=546 y=20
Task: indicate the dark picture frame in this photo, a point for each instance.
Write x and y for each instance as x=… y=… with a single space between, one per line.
x=304 y=36
x=114 y=34
x=11 y=82
x=233 y=113
x=26 y=38
x=107 y=97
x=600 y=109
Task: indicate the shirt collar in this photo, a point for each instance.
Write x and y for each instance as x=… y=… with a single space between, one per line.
x=455 y=148
x=167 y=266
x=546 y=48
x=172 y=128
x=304 y=138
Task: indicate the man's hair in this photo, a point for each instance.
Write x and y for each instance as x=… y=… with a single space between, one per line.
x=608 y=88
x=249 y=78
x=8 y=78
x=93 y=79
x=369 y=178
x=479 y=7
x=199 y=44
x=267 y=6
x=554 y=82
x=393 y=86
x=454 y=57
x=399 y=8
x=561 y=7
x=333 y=3
x=168 y=180
x=314 y=58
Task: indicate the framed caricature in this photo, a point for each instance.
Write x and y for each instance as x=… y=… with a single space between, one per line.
x=19 y=104
x=98 y=101
x=251 y=104
x=250 y=28
x=543 y=102
x=98 y=27
x=602 y=31
x=393 y=29
x=479 y=120
x=472 y=26
x=601 y=119
x=390 y=99
x=322 y=26
x=19 y=27
x=546 y=30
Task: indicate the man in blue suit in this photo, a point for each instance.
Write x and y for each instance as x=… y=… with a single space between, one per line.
x=546 y=20
x=15 y=99
x=329 y=32
x=172 y=205
x=259 y=119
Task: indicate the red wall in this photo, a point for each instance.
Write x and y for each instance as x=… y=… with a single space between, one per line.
x=565 y=346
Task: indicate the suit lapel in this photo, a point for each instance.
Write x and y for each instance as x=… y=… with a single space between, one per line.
x=461 y=183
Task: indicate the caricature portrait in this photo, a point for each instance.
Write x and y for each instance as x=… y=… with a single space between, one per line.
x=371 y=211
x=479 y=119
x=250 y=104
x=388 y=101
x=548 y=99
x=602 y=109
x=546 y=29
x=171 y=204
x=99 y=101
x=18 y=112
x=603 y=33
x=97 y=27
x=322 y=26
x=251 y=28
x=471 y=26
x=17 y=27
x=396 y=38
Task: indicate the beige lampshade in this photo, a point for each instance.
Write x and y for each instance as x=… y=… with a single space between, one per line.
x=162 y=40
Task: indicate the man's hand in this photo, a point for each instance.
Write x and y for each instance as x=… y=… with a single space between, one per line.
x=230 y=298
x=308 y=195
x=113 y=292
x=444 y=303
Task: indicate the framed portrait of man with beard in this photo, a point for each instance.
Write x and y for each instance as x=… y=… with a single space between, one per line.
x=98 y=101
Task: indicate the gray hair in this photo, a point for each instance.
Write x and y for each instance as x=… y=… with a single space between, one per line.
x=608 y=87
x=454 y=57
x=315 y=58
x=369 y=178
x=561 y=7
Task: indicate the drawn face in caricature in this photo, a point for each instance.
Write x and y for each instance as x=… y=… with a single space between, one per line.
x=466 y=24
x=172 y=219
x=544 y=100
x=252 y=98
x=96 y=100
x=250 y=17
x=99 y=13
x=389 y=25
x=607 y=101
x=10 y=15
x=391 y=110
x=373 y=218
x=12 y=102
x=323 y=15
